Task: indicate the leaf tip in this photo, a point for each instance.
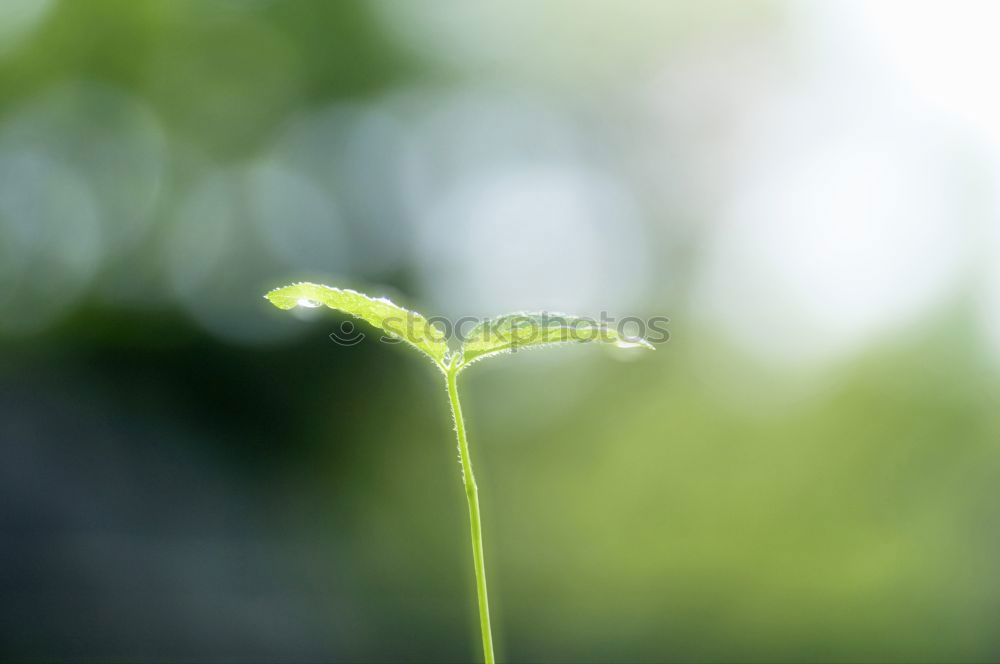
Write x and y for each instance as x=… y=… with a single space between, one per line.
x=634 y=343
x=293 y=295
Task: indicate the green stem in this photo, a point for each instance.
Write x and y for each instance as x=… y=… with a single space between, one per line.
x=472 y=494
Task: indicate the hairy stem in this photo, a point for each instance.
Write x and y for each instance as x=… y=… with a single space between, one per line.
x=472 y=494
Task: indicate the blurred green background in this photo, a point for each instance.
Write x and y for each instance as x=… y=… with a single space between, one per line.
x=807 y=471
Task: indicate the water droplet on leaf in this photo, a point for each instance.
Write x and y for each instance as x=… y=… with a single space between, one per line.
x=308 y=304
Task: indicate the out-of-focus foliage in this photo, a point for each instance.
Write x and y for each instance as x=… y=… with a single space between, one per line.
x=805 y=472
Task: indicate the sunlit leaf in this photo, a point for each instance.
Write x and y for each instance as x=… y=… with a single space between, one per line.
x=397 y=322
x=513 y=332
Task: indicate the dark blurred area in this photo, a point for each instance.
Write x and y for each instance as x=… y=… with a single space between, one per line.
x=807 y=471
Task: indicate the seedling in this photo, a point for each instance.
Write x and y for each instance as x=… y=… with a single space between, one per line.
x=505 y=334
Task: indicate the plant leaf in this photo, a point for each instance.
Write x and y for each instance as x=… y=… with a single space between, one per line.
x=513 y=332
x=397 y=322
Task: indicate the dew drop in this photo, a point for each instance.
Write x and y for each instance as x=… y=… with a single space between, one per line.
x=308 y=304
x=624 y=343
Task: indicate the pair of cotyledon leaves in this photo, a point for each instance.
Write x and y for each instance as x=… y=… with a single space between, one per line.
x=504 y=334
